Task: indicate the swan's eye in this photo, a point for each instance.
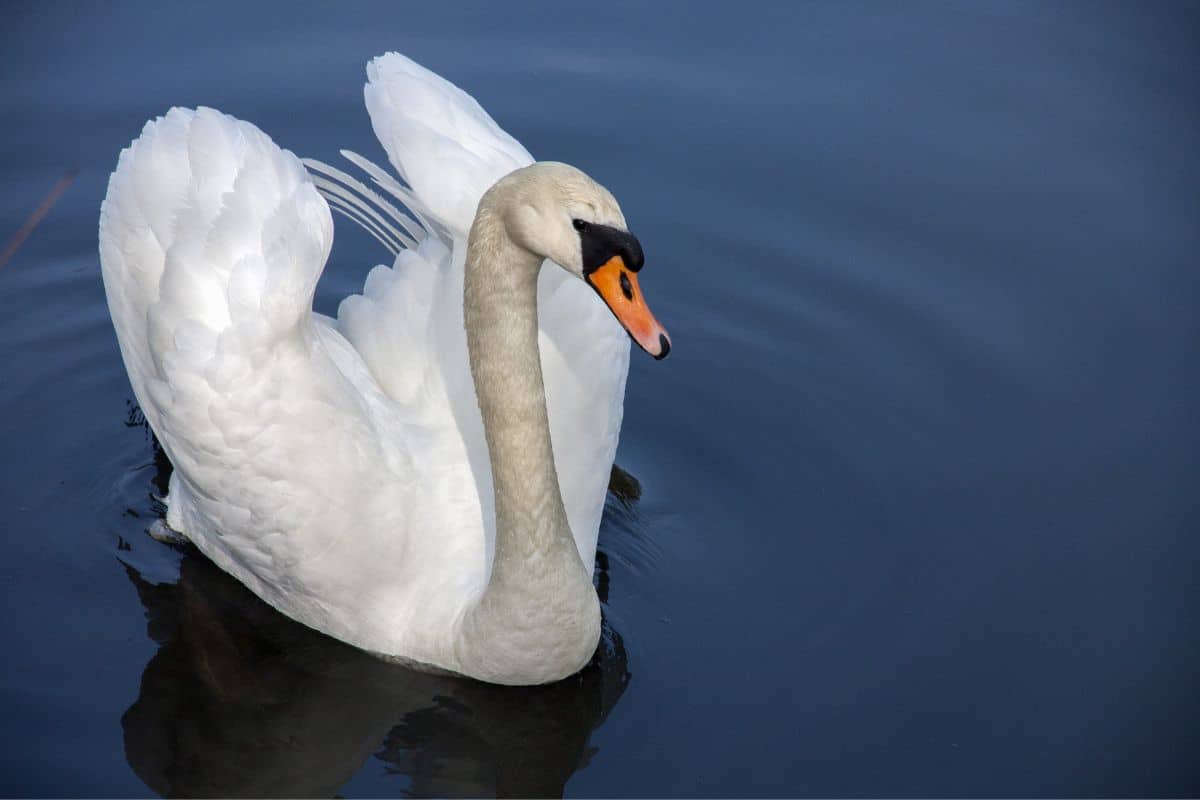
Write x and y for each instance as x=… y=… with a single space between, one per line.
x=579 y=224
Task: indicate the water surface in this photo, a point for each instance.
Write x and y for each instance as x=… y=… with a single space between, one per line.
x=917 y=510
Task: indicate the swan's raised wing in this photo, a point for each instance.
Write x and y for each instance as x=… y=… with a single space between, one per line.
x=295 y=470
x=211 y=243
x=407 y=321
x=408 y=325
x=438 y=138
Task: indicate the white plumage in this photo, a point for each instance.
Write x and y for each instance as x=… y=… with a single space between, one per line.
x=338 y=467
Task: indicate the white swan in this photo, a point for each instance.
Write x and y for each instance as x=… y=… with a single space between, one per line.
x=406 y=477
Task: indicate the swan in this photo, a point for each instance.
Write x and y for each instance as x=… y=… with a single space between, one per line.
x=421 y=476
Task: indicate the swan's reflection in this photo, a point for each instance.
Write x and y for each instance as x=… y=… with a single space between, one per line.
x=241 y=701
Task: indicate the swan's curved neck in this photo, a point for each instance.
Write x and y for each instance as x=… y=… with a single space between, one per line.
x=539 y=613
x=500 y=314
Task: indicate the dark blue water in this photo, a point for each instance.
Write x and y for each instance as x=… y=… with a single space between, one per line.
x=918 y=509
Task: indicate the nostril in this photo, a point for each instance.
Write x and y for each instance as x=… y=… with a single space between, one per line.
x=626 y=286
x=665 y=344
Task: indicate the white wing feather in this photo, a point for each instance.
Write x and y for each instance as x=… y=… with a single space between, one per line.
x=438 y=138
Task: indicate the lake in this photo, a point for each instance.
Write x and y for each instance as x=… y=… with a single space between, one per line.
x=915 y=492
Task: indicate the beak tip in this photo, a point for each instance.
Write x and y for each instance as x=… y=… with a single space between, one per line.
x=664 y=347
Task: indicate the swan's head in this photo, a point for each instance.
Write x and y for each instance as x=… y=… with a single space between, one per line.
x=559 y=213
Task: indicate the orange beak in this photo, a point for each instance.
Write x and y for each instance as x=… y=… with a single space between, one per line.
x=617 y=285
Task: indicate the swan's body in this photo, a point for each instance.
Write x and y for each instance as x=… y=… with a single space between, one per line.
x=342 y=468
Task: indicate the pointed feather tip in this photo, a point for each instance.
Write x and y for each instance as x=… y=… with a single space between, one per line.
x=393 y=62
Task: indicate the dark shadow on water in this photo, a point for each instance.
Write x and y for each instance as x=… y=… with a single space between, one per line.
x=241 y=701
